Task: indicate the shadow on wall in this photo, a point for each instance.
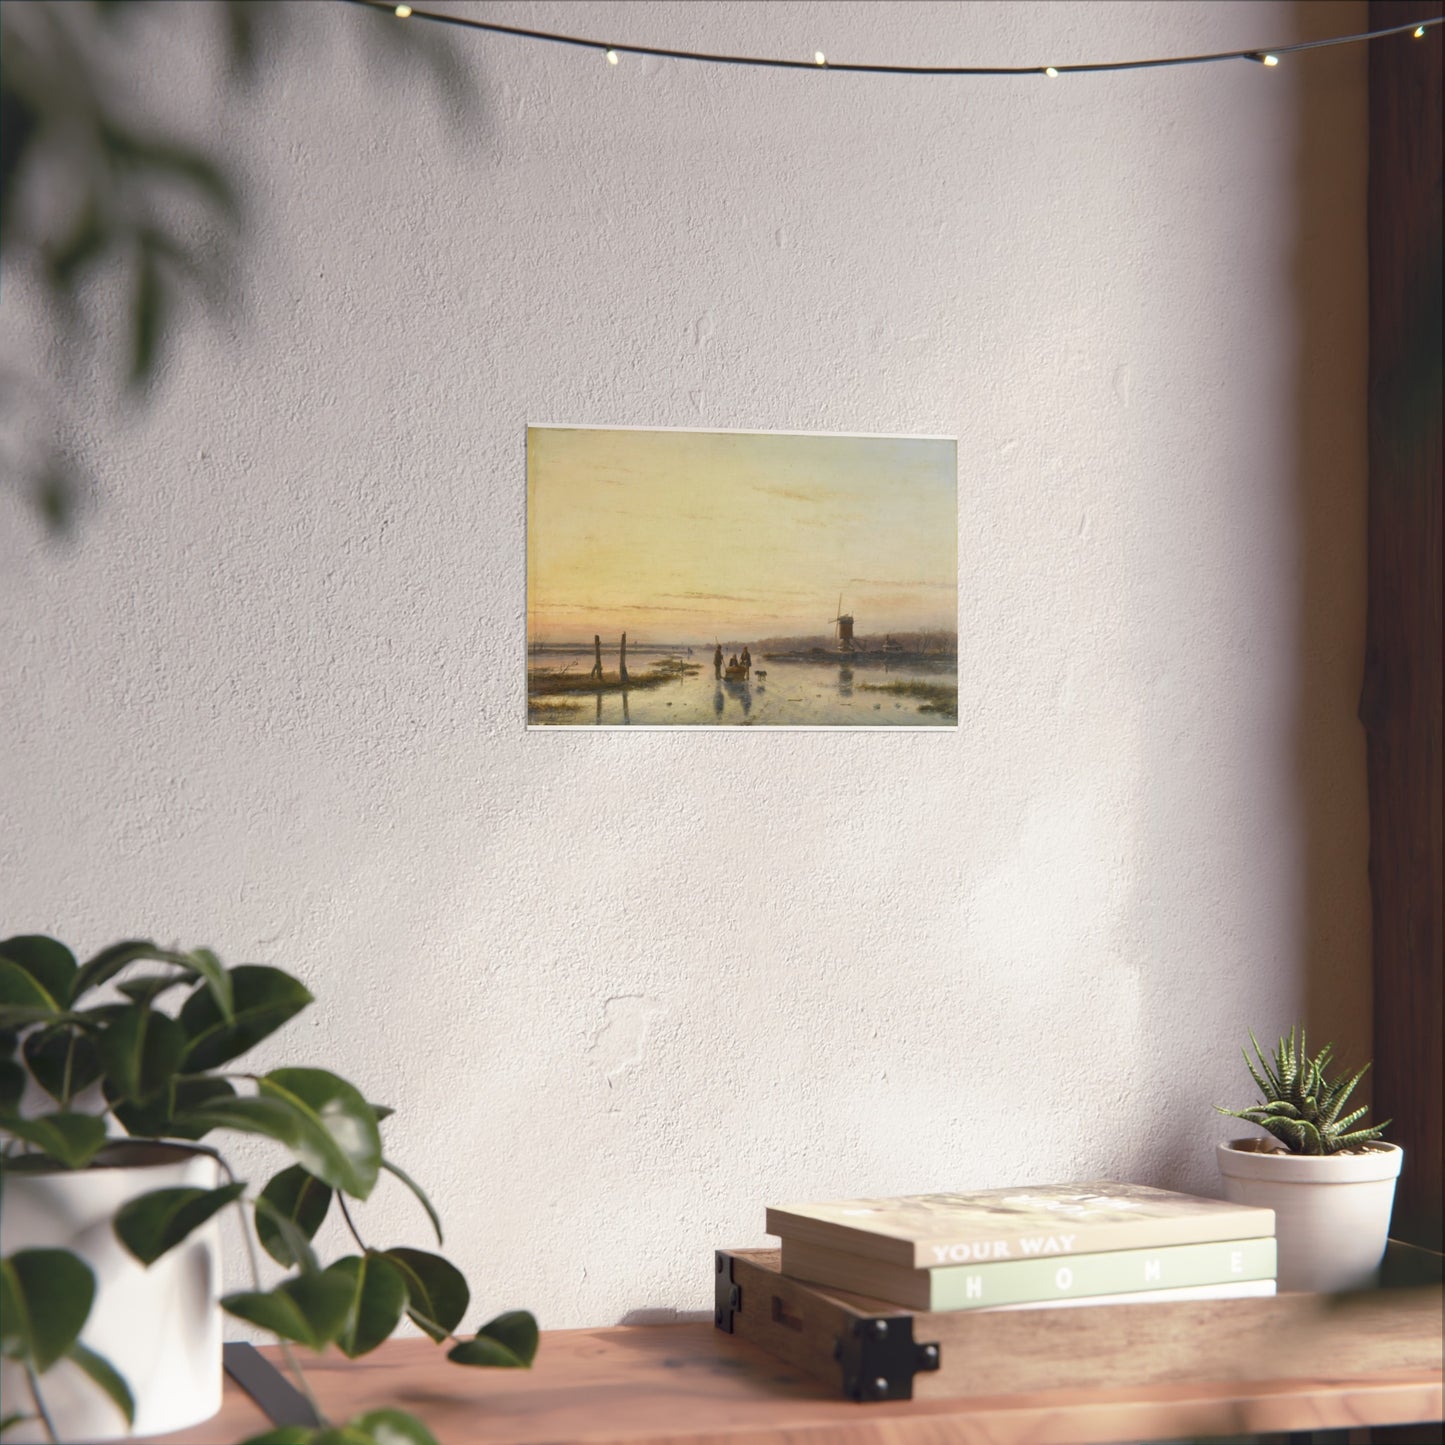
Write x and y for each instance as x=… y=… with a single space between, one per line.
x=162 y=220
x=1323 y=964
x=1331 y=305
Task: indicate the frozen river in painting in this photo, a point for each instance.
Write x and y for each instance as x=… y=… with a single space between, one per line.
x=779 y=694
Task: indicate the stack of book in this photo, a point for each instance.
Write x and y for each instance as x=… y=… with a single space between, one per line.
x=1031 y=1247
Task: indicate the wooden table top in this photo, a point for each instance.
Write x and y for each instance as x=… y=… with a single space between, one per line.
x=692 y=1384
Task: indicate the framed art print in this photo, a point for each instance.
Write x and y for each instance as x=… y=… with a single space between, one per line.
x=740 y=579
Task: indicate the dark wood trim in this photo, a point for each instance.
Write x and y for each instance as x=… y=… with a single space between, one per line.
x=1401 y=698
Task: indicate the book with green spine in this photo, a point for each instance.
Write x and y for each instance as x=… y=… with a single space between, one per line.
x=1244 y=1289
x=923 y=1231
x=1034 y=1281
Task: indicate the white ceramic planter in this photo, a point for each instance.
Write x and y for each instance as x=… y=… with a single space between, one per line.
x=160 y=1327
x=1331 y=1212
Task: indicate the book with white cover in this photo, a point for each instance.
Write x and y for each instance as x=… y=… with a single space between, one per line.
x=924 y=1231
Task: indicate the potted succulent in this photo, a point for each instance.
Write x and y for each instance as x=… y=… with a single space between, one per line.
x=1331 y=1185
x=113 y=1085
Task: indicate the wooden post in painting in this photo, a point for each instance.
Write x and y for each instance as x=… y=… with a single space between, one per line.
x=622 y=659
x=597 y=647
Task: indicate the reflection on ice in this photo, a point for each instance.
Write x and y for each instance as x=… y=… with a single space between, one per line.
x=804 y=694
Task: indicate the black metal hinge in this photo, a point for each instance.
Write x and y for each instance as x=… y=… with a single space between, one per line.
x=880 y=1358
x=727 y=1296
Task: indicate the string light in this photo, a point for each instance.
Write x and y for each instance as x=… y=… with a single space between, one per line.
x=1260 y=56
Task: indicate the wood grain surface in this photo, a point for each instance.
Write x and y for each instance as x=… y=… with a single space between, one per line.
x=695 y=1385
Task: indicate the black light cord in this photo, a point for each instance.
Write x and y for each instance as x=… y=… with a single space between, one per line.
x=613 y=49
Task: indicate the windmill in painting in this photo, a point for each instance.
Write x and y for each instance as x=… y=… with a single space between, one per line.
x=740 y=579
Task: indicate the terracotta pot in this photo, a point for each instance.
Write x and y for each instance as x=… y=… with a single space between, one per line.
x=1331 y=1211
x=160 y=1327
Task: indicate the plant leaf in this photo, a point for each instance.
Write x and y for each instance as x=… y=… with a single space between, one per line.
x=1361 y=1136
x=269 y=1117
x=298 y=1197
x=1337 y=1100
x=12 y=1086
x=141 y=1051
x=264 y=998
x=148 y=989
x=104 y=1374
x=340 y=1143
x=210 y=968
x=1354 y=1117
x=46 y=1053
x=296 y=1243
x=1282 y=1107
x=164 y=1116
x=14 y=1323
x=310 y=1310
x=141 y=1121
x=46 y=1296
x=23 y=999
x=392 y=1427
x=50 y=964
x=109 y=962
x=187 y=1094
x=11 y=1421
x=437 y=1293
x=280 y=1116
x=73 y=1139
x=378 y=1296
x=517 y=1330
x=97 y=1018
x=151 y=1224
x=507 y=1342
x=416 y=1189
x=200 y=964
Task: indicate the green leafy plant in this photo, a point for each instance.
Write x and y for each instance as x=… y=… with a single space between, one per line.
x=1301 y=1107
x=171 y=1075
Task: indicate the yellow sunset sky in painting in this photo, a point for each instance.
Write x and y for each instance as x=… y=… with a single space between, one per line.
x=682 y=536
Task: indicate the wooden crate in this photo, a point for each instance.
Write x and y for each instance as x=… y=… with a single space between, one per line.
x=871 y=1350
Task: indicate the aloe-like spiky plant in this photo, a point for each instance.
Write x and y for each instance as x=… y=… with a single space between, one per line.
x=1301 y=1107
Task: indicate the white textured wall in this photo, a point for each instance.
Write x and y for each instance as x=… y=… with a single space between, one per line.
x=625 y=990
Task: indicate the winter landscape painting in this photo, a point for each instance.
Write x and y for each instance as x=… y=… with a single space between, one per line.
x=740 y=579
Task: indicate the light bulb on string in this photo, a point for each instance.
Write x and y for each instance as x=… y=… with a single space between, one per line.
x=1260 y=57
